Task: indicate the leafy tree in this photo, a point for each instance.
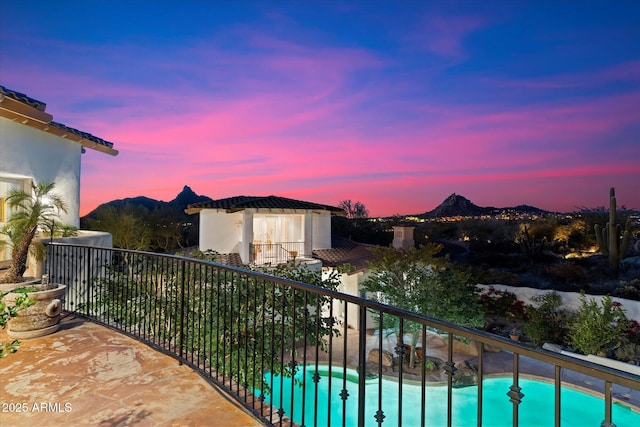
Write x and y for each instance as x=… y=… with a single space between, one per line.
x=127 y=226
x=544 y=229
x=417 y=280
x=136 y=227
x=166 y=231
x=354 y=210
x=363 y=230
x=597 y=326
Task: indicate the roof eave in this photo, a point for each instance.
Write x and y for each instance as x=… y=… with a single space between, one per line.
x=28 y=115
x=98 y=147
x=15 y=110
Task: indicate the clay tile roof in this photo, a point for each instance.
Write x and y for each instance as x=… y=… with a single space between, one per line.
x=345 y=251
x=43 y=121
x=81 y=134
x=232 y=259
x=39 y=105
x=258 y=202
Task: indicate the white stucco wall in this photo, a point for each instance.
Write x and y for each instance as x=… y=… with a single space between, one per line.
x=220 y=231
x=79 y=288
x=28 y=153
x=350 y=284
x=247 y=235
x=233 y=232
x=571 y=300
x=309 y=238
x=321 y=230
x=98 y=239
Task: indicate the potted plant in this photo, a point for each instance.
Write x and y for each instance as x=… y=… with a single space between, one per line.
x=7 y=312
x=514 y=334
x=31 y=212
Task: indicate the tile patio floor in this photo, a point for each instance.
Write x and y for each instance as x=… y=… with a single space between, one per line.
x=89 y=375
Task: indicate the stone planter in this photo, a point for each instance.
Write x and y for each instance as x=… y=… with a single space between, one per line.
x=42 y=318
x=6 y=287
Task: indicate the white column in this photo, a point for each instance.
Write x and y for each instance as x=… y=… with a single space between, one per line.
x=308 y=233
x=247 y=235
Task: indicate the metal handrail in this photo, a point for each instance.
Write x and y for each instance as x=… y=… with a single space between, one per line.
x=275 y=253
x=236 y=327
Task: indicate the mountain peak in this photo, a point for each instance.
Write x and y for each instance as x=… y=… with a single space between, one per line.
x=456 y=200
x=456 y=205
x=459 y=206
x=187 y=197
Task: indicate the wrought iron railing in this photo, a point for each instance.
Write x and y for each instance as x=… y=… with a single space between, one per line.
x=275 y=253
x=249 y=333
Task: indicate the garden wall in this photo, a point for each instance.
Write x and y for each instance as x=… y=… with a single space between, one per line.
x=570 y=299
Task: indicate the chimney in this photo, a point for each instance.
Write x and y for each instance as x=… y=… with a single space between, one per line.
x=403 y=237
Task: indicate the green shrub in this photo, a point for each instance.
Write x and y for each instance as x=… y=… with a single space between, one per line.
x=632 y=332
x=547 y=319
x=597 y=328
x=628 y=290
x=629 y=352
x=502 y=304
x=6 y=313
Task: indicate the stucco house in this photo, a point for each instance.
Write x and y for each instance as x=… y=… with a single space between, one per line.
x=352 y=259
x=250 y=230
x=34 y=148
x=264 y=229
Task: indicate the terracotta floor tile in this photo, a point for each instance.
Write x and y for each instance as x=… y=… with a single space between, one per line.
x=86 y=374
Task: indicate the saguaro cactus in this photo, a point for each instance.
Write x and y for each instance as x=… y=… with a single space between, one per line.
x=530 y=248
x=610 y=241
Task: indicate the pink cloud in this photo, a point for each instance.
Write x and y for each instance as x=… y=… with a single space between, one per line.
x=287 y=120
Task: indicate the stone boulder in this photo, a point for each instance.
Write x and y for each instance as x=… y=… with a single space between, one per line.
x=465 y=375
x=388 y=361
x=433 y=364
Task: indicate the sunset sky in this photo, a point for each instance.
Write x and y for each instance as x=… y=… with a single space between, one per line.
x=396 y=104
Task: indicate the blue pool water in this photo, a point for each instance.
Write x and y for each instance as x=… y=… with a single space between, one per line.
x=578 y=409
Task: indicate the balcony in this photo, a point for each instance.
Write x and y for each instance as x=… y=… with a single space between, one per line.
x=250 y=334
x=87 y=374
x=277 y=253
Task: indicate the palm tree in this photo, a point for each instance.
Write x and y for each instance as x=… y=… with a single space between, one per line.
x=32 y=210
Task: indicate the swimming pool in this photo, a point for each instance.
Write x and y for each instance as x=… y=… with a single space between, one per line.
x=536 y=409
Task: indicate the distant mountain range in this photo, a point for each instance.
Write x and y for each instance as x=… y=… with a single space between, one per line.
x=173 y=208
x=456 y=205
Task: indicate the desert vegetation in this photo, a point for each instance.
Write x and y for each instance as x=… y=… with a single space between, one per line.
x=555 y=253
x=600 y=328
